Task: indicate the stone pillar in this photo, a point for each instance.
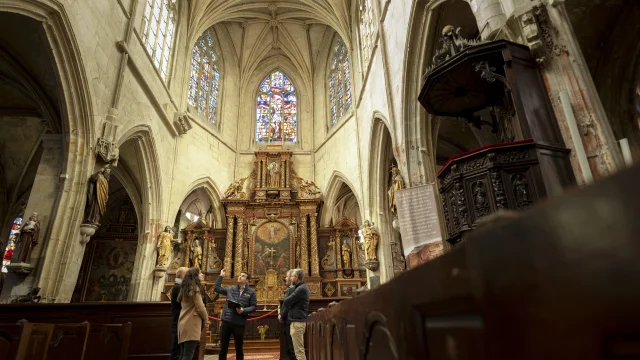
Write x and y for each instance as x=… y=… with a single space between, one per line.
x=490 y=16
x=228 y=251
x=304 y=253
x=315 y=267
x=239 y=241
x=548 y=32
x=43 y=198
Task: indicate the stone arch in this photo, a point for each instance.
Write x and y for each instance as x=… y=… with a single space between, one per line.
x=140 y=141
x=333 y=188
x=77 y=128
x=212 y=191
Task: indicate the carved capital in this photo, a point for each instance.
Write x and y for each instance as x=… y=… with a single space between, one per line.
x=86 y=232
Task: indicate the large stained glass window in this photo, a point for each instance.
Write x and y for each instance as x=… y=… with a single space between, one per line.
x=158 y=26
x=205 y=76
x=367 y=30
x=276 y=112
x=339 y=81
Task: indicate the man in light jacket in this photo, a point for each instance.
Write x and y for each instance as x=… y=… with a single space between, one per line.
x=297 y=307
x=283 y=318
x=235 y=321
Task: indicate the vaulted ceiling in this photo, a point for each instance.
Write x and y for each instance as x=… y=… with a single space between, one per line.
x=259 y=30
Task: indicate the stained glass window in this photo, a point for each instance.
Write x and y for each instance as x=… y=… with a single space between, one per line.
x=339 y=81
x=158 y=26
x=276 y=111
x=11 y=244
x=367 y=30
x=205 y=76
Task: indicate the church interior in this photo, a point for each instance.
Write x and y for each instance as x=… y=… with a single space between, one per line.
x=455 y=178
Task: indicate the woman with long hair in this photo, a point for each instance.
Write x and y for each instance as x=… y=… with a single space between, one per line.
x=193 y=316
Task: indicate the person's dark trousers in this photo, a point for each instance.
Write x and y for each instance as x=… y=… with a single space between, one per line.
x=175 y=347
x=226 y=331
x=187 y=349
x=287 y=338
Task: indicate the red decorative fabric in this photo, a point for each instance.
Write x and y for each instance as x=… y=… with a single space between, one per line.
x=491 y=146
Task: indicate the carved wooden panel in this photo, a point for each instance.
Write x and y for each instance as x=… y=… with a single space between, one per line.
x=108 y=342
x=68 y=342
x=34 y=341
x=9 y=340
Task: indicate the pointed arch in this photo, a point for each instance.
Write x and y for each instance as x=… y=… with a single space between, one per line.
x=276 y=109
x=331 y=196
x=212 y=191
x=76 y=116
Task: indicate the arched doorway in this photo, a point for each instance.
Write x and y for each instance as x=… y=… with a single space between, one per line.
x=109 y=257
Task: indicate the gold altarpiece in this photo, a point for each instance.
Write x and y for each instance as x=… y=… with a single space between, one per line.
x=272 y=218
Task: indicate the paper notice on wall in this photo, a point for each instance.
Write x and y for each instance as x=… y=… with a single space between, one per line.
x=418 y=216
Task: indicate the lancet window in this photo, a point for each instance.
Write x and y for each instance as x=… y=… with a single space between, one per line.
x=204 y=83
x=339 y=81
x=276 y=109
x=367 y=30
x=158 y=27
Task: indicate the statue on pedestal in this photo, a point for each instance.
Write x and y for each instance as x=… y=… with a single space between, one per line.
x=97 y=196
x=196 y=255
x=274 y=175
x=397 y=183
x=164 y=247
x=27 y=239
x=346 y=256
x=371 y=238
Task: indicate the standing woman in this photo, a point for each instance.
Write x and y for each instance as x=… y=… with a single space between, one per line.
x=193 y=316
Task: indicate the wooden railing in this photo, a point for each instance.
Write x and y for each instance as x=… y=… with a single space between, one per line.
x=559 y=282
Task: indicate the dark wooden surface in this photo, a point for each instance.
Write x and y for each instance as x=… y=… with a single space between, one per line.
x=150 y=321
x=559 y=282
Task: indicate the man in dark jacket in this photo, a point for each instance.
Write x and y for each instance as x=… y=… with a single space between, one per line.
x=283 y=318
x=297 y=307
x=234 y=321
x=176 y=307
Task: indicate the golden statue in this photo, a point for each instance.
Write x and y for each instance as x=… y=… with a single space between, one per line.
x=164 y=247
x=370 y=240
x=196 y=255
x=397 y=183
x=274 y=175
x=235 y=190
x=346 y=256
x=308 y=190
x=97 y=196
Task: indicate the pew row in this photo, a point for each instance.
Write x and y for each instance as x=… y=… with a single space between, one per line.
x=147 y=337
x=558 y=282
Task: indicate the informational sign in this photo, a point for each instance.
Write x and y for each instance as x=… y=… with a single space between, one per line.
x=418 y=216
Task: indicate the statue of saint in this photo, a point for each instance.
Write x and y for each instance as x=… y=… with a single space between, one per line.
x=196 y=255
x=346 y=256
x=397 y=183
x=274 y=175
x=370 y=240
x=28 y=239
x=209 y=217
x=164 y=246
x=97 y=196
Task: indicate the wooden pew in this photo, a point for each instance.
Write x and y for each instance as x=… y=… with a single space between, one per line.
x=150 y=321
x=108 y=342
x=68 y=342
x=9 y=340
x=34 y=341
x=559 y=282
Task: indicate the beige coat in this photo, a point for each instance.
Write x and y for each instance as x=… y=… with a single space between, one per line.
x=191 y=318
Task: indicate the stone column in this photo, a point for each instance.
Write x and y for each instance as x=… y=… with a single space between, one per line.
x=304 y=253
x=548 y=32
x=315 y=267
x=43 y=199
x=239 y=240
x=228 y=251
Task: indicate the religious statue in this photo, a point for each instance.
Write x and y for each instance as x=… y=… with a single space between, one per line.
x=307 y=189
x=370 y=240
x=97 y=196
x=196 y=255
x=209 y=217
x=274 y=175
x=397 y=183
x=520 y=190
x=164 y=246
x=236 y=190
x=28 y=239
x=346 y=256
x=329 y=256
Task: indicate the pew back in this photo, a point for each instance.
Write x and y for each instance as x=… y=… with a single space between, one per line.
x=34 y=341
x=108 y=342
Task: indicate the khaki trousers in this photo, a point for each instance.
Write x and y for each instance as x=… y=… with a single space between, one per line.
x=297 y=335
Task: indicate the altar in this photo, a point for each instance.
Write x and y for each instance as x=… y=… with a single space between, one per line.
x=272 y=222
